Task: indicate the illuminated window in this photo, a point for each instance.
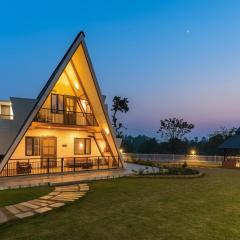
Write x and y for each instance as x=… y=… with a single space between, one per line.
x=57 y=103
x=32 y=146
x=82 y=146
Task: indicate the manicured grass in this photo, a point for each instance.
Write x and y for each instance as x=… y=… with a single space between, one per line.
x=13 y=196
x=205 y=208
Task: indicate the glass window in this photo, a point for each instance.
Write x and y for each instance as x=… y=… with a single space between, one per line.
x=82 y=146
x=32 y=146
x=54 y=103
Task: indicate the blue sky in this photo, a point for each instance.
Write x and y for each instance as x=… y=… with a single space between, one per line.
x=170 y=58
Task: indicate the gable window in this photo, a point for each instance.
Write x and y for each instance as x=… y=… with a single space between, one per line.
x=82 y=146
x=32 y=146
x=56 y=103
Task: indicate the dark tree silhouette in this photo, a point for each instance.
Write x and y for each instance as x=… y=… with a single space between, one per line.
x=174 y=129
x=119 y=105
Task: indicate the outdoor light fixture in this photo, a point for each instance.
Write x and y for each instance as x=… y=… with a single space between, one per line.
x=107 y=131
x=76 y=85
x=193 y=152
x=121 y=150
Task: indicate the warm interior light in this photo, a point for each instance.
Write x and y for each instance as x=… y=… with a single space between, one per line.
x=81 y=145
x=193 y=152
x=76 y=85
x=121 y=150
x=84 y=104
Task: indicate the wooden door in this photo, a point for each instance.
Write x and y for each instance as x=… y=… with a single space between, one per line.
x=49 y=151
x=69 y=110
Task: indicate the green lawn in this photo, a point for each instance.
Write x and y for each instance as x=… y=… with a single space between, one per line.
x=13 y=196
x=206 y=208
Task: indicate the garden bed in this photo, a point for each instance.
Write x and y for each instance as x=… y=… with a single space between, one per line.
x=154 y=169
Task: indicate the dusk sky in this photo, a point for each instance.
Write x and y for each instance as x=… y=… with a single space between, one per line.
x=170 y=58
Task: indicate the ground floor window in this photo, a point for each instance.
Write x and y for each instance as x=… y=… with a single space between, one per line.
x=82 y=146
x=32 y=146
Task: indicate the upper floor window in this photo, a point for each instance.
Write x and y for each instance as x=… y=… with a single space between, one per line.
x=5 y=111
x=57 y=103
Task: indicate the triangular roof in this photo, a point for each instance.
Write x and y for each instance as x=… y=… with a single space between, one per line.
x=75 y=55
x=233 y=142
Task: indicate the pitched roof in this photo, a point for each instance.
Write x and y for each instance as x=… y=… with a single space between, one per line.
x=232 y=142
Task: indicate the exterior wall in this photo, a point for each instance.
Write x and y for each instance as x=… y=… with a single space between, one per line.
x=64 y=137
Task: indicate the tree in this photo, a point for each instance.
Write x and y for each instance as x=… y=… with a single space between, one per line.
x=174 y=129
x=119 y=105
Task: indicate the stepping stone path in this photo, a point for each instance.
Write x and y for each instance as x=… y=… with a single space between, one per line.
x=58 y=198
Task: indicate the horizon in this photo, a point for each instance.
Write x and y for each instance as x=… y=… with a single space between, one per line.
x=189 y=70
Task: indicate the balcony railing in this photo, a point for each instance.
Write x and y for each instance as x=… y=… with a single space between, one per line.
x=46 y=115
x=32 y=166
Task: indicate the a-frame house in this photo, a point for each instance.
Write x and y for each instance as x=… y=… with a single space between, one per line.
x=66 y=128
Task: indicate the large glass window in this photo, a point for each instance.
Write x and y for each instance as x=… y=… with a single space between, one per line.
x=82 y=146
x=32 y=146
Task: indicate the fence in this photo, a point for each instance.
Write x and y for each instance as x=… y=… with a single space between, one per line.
x=191 y=160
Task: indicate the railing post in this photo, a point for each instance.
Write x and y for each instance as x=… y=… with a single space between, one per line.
x=118 y=161
x=28 y=167
x=7 y=169
x=108 y=162
x=62 y=164
x=47 y=165
x=98 y=163
x=74 y=163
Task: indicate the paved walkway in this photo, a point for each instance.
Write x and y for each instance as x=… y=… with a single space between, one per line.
x=58 y=198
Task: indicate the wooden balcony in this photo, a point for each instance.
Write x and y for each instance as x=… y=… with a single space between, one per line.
x=65 y=118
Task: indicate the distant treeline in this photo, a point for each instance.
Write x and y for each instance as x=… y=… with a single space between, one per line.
x=205 y=146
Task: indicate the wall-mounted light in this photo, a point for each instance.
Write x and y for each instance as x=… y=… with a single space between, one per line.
x=107 y=131
x=76 y=85
x=121 y=150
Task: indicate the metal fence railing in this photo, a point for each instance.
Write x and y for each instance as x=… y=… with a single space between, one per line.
x=31 y=166
x=193 y=160
x=47 y=115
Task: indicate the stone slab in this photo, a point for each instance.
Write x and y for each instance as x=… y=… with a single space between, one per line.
x=12 y=209
x=22 y=208
x=38 y=203
x=29 y=205
x=43 y=209
x=25 y=214
x=56 y=205
x=46 y=197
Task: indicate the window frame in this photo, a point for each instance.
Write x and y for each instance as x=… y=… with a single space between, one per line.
x=85 y=146
x=54 y=110
x=32 y=146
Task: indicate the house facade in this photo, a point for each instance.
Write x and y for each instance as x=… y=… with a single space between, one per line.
x=65 y=129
